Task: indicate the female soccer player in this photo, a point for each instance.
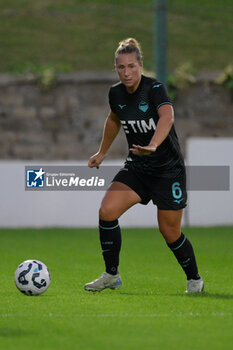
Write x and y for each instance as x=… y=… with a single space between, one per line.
x=154 y=169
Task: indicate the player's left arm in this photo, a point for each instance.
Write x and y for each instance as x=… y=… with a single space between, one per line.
x=164 y=125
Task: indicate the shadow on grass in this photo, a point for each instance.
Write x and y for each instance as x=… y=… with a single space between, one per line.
x=209 y=295
x=14 y=332
x=184 y=295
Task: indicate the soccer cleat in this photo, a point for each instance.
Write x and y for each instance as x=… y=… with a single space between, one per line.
x=104 y=281
x=195 y=286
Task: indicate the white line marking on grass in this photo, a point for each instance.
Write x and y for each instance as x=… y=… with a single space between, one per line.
x=123 y=315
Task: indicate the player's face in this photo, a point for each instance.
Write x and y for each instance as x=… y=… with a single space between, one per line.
x=129 y=71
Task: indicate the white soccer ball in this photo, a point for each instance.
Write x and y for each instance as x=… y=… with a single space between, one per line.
x=32 y=277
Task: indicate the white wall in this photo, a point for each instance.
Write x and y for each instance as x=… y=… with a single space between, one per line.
x=210 y=207
x=20 y=208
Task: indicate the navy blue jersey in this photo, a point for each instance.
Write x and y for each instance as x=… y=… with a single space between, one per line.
x=138 y=113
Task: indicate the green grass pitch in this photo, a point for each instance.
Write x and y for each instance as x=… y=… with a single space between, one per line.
x=150 y=311
x=73 y=35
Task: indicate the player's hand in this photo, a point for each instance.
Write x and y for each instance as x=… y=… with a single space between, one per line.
x=95 y=160
x=138 y=150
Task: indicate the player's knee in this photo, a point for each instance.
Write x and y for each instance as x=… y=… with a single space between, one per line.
x=170 y=233
x=107 y=213
x=163 y=228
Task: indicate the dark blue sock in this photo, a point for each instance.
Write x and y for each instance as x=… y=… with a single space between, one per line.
x=183 y=251
x=110 y=239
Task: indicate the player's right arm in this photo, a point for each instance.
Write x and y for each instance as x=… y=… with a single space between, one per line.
x=111 y=129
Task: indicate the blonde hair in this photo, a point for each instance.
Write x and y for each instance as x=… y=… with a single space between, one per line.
x=129 y=45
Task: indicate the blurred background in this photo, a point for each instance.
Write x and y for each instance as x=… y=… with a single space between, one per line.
x=56 y=67
x=72 y=36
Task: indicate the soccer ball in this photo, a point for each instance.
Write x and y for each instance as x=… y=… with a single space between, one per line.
x=32 y=277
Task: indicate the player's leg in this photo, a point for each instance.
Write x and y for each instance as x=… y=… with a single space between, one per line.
x=118 y=199
x=170 y=226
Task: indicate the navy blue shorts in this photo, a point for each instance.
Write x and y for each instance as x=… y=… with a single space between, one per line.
x=165 y=193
